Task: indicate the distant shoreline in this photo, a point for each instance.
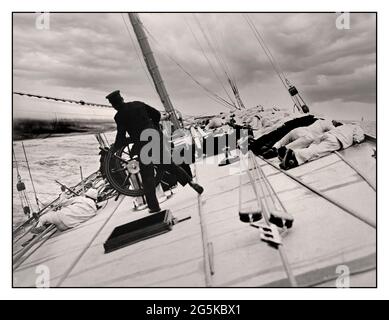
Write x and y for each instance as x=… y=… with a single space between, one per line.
x=25 y=129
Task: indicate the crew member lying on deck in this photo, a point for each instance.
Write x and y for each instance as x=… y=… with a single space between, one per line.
x=338 y=138
x=266 y=142
x=72 y=212
x=300 y=137
x=215 y=123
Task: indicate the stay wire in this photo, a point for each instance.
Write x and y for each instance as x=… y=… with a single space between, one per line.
x=215 y=97
x=266 y=216
x=232 y=80
x=222 y=57
x=213 y=50
x=209 y=62
x=16 y=164
x=24 y=200
x=255 y=32
x=31 y=179
x=270 y=52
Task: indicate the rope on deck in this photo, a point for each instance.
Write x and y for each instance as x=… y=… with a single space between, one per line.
x=266 y=216
x=207 y=246
x=21 y=256
x=345 y=208
x=367 y=180
x=73 y=265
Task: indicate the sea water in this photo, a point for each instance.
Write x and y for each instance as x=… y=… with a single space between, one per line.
x=55 y=158
x=60 y=158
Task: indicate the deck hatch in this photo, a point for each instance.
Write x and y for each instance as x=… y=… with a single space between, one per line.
x=139 y=230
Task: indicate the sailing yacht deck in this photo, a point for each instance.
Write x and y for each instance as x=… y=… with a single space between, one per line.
x=214 y=248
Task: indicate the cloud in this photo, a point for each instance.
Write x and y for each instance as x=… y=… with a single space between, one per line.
x=91 y=54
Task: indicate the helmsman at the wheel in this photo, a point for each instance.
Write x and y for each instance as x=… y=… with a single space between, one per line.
x=133 y=118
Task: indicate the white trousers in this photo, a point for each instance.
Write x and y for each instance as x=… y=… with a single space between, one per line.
x=292 y=136
x=308 y=151
x=52 y=217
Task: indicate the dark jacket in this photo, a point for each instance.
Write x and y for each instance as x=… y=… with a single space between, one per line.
x=133 y=118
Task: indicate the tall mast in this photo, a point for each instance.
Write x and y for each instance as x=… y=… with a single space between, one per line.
x=153 y=68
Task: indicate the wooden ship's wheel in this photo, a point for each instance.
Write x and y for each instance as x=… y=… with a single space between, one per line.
x=122 y=171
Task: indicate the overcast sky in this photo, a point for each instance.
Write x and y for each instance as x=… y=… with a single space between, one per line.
x=86 y=56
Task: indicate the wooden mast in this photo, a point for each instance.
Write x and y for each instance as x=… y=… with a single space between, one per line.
x=153 y=68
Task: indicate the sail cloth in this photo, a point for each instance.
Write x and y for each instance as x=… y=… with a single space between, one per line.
x=215 y=123
x=261 y=120
x=74 y=211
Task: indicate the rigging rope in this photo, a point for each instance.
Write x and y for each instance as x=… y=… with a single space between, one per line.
x=16 y=164
x=80 y=102
x=22 y=255
x=364 y=177
x=215 y=97
x=220 y=53
x=232 y=79
x=206 y=244
x=209 y=62
x=335 y=202
x=32 y=181
x=89 y=244
x=213 y=50
x=266 y=216
x=221 y=61
x=21 y=188
x=266 y=50
x=293 y=93
x=271 y=54
x=212 y=95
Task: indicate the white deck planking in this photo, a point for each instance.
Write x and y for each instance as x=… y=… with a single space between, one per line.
x=323 y=235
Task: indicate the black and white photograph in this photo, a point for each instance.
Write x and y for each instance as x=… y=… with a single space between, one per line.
x=194 y=149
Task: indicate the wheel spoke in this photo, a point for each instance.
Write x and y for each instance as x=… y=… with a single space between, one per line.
x=128 y=152
x=118 y=170
x=121 y=159
x=126 y=180
x=138 y=180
